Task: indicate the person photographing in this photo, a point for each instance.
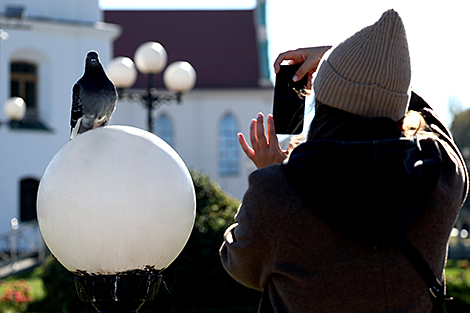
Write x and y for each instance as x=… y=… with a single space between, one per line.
x=319 y=230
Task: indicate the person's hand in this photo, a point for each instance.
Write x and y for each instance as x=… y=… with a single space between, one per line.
x=308 y=57
x=265 y=149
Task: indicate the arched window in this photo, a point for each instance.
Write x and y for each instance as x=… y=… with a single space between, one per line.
x=28 y=196
x=23 y=83
x=228 y=146
x=164 y=129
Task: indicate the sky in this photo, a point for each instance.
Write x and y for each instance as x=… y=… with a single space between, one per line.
x=438 y=35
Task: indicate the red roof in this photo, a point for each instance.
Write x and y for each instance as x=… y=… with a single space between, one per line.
x=221 y=45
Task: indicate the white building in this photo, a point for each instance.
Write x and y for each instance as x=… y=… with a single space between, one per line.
x=40 y=61
x=44 y=56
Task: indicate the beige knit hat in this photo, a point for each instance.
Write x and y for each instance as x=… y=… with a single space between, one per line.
x=369 y=73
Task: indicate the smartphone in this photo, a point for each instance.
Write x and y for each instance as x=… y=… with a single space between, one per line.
x=289 y=101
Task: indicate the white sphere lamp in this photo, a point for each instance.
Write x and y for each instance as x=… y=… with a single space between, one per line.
x=116 y=199
x=179 y=77
x=15 y=108
x=122 y=72
x=150 y=58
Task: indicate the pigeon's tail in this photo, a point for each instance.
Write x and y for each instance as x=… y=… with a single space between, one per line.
x=84 y=124
x=74 y=131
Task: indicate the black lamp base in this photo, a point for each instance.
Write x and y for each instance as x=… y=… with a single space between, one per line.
x=117 y=293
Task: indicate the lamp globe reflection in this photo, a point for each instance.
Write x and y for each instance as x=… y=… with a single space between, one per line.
x=114 y=201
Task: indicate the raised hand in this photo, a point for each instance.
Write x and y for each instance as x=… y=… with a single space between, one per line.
x=265 y=149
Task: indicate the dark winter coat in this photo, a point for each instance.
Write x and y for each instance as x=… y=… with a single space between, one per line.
x=313 y=233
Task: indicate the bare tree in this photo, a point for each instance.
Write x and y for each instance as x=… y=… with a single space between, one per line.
x=455 y=106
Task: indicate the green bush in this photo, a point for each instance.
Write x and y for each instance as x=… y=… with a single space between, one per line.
x=458 y=285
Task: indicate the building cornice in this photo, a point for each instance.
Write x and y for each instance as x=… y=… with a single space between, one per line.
x=98 y=29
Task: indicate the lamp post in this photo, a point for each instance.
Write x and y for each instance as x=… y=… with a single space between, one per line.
x=15 y=109
x=116 y=218
x=150 y=59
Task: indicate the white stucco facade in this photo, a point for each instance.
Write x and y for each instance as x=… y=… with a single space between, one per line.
x=55 y=37
x=196 y=128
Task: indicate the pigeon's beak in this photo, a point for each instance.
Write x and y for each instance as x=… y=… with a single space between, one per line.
x=93 y=61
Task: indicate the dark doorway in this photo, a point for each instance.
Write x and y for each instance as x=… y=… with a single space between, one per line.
x=28 y=195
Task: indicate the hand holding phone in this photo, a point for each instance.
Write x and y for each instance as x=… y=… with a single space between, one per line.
x=289 y=101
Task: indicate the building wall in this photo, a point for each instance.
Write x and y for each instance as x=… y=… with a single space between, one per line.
x=228 y=50
x=57 y=40
x=196 y=124
x=83 y=11
x=58 y=47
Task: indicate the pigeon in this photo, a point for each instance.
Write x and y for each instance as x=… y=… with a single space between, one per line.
x=94 y=98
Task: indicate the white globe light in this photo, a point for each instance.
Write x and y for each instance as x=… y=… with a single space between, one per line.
x=115 y=199
x=179 y=76
x=3 y=35
x=150 y=58
x=122 y=72
x=15 y=108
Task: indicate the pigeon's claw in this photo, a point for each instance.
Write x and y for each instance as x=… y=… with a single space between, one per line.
x=100 y=122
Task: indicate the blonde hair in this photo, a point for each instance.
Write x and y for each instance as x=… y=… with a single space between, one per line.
x=412 y=123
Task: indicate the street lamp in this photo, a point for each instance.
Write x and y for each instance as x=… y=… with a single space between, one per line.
x=116 y=218
x=3 y=35
x=150 y=59
x=15 y=109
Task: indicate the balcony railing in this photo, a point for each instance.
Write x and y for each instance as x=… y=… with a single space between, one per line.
x=21 y=247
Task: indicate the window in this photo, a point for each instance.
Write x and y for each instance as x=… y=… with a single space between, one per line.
x=228 y=146
x=28 y=195
x=164 y=129
x=24 y=84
